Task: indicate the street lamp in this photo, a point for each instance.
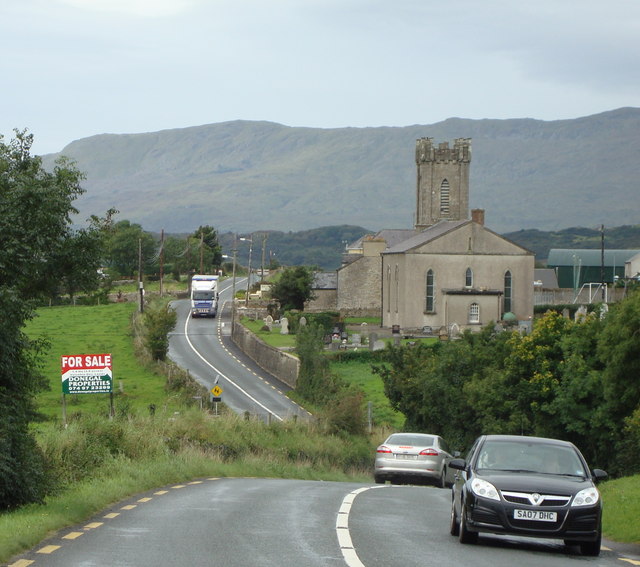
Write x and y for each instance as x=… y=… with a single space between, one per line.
x=250 y=241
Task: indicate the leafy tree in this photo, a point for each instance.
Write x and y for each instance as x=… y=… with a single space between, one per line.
x=293 y=288
x=35 y=216
x=123 y=247
x=209 y=247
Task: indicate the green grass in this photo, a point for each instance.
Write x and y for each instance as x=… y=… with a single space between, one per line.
x=95 y=330
x=621 y=513
x=273 y=338
x=360 y=375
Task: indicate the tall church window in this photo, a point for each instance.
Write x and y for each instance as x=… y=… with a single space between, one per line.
x=431 y=299
x=474 y=313
x=508 y=292
x=397 y=278
x=468 y=278
x=444 y=198
x=388 y=289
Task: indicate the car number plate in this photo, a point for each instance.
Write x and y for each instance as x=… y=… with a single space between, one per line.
x=535 y=515
x=407 y=457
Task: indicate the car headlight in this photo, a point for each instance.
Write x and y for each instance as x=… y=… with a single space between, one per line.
x=484 y=489
x=586 y=497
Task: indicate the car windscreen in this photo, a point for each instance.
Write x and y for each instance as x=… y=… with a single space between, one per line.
x=412 y=440
x=545 y=458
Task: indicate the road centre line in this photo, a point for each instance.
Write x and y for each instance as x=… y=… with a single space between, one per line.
x=342 y=527
x=186 y=335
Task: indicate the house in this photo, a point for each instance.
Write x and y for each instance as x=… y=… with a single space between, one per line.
x=325 y=290
x=632 y=267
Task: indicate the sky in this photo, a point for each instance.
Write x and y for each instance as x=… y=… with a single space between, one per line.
x=71 y=69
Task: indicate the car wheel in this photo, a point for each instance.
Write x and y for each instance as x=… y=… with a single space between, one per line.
x=454 y=528
x=464 y=535
x=442 y=481
x=592 y=548
x=379 y=479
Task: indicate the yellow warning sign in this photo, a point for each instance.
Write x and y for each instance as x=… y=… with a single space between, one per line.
x=216 y=391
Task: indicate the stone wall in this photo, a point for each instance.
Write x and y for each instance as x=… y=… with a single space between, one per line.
x=359 y=287
x=280 y=364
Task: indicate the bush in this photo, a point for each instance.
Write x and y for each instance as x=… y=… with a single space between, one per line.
x=159 y=320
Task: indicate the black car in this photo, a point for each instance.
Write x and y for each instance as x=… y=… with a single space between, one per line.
x=527 y=486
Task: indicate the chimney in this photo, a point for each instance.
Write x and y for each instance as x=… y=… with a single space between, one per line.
x=477 y=215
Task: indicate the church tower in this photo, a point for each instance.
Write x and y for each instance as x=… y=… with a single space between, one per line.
x=442 y=191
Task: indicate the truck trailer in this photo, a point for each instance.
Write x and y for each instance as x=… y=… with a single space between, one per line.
x=204 y=296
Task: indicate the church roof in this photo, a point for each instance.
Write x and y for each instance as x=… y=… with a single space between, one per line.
x=427 y=235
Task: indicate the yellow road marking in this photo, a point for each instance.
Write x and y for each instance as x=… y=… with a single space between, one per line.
x=144 y=500
x=161 y=492
x=112 y=515
x=195 y=482
x=93 y=525
x=22 y=563
x=129 y=507
x=179 y=486
x=72 y=535
x=48 y=549
x=632 y=561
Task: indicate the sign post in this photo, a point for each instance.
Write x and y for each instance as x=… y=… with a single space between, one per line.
x=87 y=374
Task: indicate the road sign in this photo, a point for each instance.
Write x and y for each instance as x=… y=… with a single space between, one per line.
x=216 y=391
x=87 y=374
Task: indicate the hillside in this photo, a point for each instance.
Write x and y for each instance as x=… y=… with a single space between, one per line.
x=244 y=176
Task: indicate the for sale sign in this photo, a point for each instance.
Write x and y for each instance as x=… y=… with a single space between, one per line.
x=87 y=374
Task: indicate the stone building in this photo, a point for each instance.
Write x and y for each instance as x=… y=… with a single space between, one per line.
x=450 y=270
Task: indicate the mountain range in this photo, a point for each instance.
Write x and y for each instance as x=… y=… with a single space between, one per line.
x=243 y=176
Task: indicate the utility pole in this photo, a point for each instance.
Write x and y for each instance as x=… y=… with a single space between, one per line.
x=161 y=261
x=602 y=282
x=264 y=244
x=140 y=284
x=201 y=251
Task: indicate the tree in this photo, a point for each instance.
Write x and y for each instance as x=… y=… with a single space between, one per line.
x=293 y=288
x=35 y=218
x=123 y=247
x=209 y=249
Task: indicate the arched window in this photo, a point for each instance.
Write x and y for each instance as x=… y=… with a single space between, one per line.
x=468 y=278
x=397 y=283
x=508 y=292
x=444 y=198
x=474 y=313
x=431 y=299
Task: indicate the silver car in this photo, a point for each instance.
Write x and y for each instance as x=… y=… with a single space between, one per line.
x=414 y=456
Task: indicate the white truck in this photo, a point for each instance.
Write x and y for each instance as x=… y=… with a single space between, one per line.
x=204 y=296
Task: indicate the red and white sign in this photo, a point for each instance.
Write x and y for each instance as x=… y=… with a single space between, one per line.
x=86 y=374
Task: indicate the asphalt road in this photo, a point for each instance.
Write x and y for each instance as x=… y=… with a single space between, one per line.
x=204 y=347
x=285 y=523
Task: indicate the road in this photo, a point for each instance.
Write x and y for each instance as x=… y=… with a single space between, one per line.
x=239 y=522
x=204 y=347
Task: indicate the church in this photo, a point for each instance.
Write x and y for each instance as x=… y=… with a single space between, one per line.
x=450 y=272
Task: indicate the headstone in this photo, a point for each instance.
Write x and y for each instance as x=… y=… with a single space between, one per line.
x=303 y=321
x=356 y=339
x=581 y=313
x=378 y=345
x=284 y=326
x=373 y=337
x=269 y=322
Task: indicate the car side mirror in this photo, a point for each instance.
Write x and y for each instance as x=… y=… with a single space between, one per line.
x=458 y=464
x=599 y=474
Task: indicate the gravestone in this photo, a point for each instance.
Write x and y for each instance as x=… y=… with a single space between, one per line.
x=284 y=326
x=269 y=322
x=303 y=322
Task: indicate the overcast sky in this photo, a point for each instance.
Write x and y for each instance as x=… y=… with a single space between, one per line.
x=75 y=68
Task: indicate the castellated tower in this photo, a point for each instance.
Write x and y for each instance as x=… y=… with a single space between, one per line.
x=442 y=191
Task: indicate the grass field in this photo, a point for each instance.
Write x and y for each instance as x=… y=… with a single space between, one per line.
x=100 y=329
